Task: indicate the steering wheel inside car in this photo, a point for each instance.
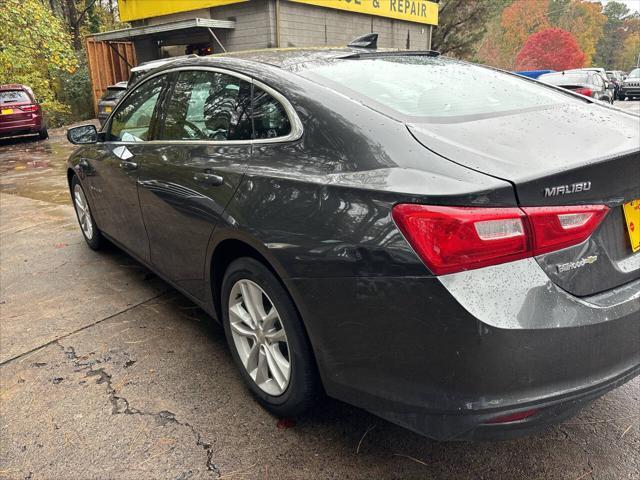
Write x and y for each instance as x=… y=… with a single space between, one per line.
x=195 y=133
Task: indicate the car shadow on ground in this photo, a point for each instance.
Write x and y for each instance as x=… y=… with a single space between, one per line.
x=8 y=141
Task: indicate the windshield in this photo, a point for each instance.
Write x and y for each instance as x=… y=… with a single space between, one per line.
x=566 y=79
x=419 y=86
x=14 y=96
x=635 y=73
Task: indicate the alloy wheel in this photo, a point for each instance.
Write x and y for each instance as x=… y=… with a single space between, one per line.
x=82 y=209
x=259 y=337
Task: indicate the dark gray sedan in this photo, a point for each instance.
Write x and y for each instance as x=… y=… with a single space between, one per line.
x=585 y=82
x=451 y=247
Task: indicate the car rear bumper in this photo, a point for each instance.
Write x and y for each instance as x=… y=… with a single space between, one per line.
x=20 y=127
x=411 y=351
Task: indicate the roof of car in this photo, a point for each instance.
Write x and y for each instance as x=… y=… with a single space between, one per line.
x=14 y=86
x=293 y=58
x=159 y=62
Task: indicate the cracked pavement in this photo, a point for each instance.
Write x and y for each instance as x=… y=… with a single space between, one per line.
x=106 y=372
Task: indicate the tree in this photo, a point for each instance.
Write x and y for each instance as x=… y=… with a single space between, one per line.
x=552 y=48
x=34 y=50
x=462 y=24
x=521 y=19
x=608 y=50
x=584 y=20
x=631 y=45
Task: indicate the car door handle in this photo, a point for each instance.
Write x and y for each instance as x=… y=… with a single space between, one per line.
x=128 y=166
x=208 y=178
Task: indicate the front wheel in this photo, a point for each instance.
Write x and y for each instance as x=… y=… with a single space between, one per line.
x=90 y=231
x=267 y=339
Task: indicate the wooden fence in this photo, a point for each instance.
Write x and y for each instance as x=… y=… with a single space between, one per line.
x=109 y=63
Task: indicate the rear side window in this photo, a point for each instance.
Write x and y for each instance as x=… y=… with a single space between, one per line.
x=207 y=105
x=597 y=80
x=14 y=96
x=270 y=119
x=132 y=120
x=420 y=87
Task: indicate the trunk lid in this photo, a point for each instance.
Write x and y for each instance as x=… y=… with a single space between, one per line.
x=566 y=154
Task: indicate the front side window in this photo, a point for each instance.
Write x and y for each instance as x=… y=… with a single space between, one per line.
x=270 y=119
x=132 y=121
x=208 y=105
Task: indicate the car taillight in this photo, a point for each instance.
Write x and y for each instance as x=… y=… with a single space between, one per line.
x=584 y=91
x=453 y=239
x=29 y=108
x=554 y=228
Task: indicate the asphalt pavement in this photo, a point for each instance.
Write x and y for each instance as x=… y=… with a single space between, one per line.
x=107 y=372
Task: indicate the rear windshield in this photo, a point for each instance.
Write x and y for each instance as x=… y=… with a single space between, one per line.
x=113 y=94
x=418 y=86
x=566 y=79
x=14 y=96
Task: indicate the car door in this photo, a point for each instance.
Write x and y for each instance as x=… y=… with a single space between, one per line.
x=115 y=165
x=202 y=150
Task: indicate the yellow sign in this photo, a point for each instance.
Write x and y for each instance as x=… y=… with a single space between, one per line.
x=419 y=11
x=137 y=9
x=632 y=216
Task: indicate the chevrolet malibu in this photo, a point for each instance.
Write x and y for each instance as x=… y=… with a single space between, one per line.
x=451 y=247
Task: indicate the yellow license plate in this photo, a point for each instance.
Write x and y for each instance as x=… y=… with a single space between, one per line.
x=632 y=217
x=107 y=109
x=6 y=111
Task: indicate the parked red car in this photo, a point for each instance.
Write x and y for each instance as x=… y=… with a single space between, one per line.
x=20 y=114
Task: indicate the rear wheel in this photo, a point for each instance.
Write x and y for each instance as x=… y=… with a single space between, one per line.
x=44 y=133
x=90 y=231
x=267 y=339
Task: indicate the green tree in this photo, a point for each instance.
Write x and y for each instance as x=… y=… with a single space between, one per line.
x=462 y=24
x=609 y=49
x=35 y=49
x=631 y=45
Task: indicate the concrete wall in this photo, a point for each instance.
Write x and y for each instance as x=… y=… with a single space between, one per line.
x=255 y=28
x=307 y=25
x=301 y=25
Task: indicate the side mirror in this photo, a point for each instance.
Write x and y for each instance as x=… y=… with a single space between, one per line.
x=82 y=135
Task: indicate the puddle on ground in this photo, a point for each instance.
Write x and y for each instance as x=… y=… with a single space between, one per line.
x=35 y=168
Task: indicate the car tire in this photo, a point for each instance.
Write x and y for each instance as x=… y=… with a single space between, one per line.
x=88 y=227
x=262 y=350
x=43 y=134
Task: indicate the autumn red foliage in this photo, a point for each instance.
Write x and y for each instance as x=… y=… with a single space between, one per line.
x=552 y=48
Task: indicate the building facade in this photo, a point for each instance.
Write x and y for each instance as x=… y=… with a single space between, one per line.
x=163 y=28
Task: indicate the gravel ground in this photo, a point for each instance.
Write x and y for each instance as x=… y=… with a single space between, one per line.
x=107 y=372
